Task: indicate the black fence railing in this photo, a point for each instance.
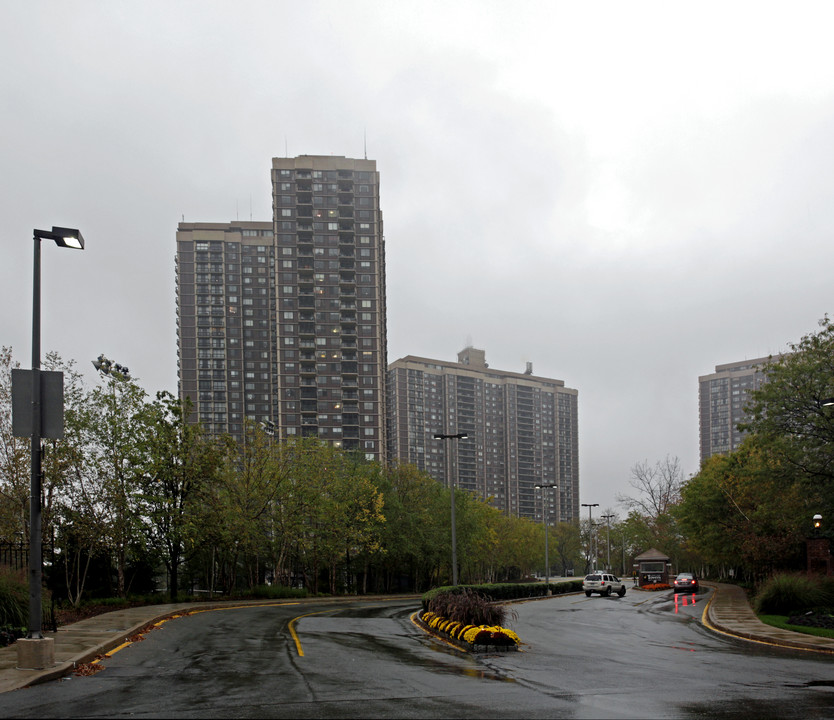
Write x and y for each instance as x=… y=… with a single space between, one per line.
x=14 y=555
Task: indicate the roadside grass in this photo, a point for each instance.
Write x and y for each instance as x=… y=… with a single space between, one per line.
x=781 y=621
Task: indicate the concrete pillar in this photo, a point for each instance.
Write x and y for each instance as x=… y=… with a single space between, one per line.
x=35 y=653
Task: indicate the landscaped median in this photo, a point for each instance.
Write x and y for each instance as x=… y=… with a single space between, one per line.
x=472 y=617
x=471 y=637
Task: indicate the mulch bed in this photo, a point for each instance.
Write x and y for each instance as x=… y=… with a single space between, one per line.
x=818 y=620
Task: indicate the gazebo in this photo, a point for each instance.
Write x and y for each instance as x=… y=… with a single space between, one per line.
x=652 y=567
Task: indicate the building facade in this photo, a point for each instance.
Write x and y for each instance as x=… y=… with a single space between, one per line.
x=722 y=397
x=522 y=432
x=284 y=323
x=226 y=342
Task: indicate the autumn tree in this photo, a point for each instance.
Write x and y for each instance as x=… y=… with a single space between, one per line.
x=179 y=461
x=415 y=532
x=14 y=461
x=746 y=510
x=790 y=411
x=111 y=434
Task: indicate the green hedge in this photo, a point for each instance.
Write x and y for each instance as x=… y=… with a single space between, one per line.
x=508 y=591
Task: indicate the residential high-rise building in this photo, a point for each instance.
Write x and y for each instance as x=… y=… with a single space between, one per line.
x=226 y=338
x=330 y=281
x=722 y=397
x=284 y=323
x=522 y=431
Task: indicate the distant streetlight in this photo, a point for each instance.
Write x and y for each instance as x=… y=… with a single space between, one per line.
x=591 y=559
x=453 y=436
x=607 y=518
x=546 y=523
x=106 y=367
x=817 y=522
x=44 y=655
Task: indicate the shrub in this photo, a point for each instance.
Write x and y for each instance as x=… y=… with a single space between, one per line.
x=789 y=594
x=507 y=591
x=827 y=589
x=14 y=599
x=277 y=592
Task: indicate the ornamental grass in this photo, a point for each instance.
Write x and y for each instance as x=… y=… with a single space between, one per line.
x=467 y=606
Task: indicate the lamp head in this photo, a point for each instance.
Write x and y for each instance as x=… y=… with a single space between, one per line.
x=63 y=237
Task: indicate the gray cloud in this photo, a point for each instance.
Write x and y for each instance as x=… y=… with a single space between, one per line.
x=623 y=197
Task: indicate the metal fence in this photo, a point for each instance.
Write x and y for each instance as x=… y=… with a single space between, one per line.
x=14 y=555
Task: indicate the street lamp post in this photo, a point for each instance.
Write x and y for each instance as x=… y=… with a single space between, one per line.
x=39 y=654
x=546 y=523
x=590 y=534
x=607 y=518
x=453 y=436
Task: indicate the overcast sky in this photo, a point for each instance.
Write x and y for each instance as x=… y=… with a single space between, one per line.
x=623 y=194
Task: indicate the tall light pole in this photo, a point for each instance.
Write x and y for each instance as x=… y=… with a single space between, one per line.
x=546 y=523
x=454 y=436
x=590 y=534
x=607 y=518
x=69 y=238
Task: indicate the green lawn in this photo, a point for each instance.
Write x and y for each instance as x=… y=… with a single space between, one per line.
x=781 y=621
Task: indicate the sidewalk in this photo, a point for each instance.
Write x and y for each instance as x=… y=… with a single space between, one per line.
x=729 y=612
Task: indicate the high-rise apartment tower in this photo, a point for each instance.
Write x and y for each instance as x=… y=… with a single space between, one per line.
x=722 y=397
x=522 y=431
x=284 y=323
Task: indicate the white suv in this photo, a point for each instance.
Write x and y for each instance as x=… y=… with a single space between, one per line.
x=603 y=584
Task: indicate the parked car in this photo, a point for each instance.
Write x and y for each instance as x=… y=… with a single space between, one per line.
x=686 y=582
x=604 y=584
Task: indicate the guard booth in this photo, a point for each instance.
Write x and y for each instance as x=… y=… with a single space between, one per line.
x=652 y=567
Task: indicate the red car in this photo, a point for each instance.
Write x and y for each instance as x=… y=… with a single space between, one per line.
x=686 y=582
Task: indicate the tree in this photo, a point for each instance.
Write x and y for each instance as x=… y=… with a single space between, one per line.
x=179 y=462
x=650 y=521
x=658 y=487
x=112 y=428
x=565 y=544
x=415 y=533
x=74 y=533
x=788 y=410
x=14 y=461
x=745 y=510
x=238 y=510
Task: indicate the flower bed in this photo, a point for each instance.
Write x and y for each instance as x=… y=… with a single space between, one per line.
x=656 y=586
x=492 y=637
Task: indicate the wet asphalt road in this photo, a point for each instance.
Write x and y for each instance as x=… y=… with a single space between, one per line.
x=645 y=655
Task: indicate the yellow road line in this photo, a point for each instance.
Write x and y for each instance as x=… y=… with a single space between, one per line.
x=294 y=634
